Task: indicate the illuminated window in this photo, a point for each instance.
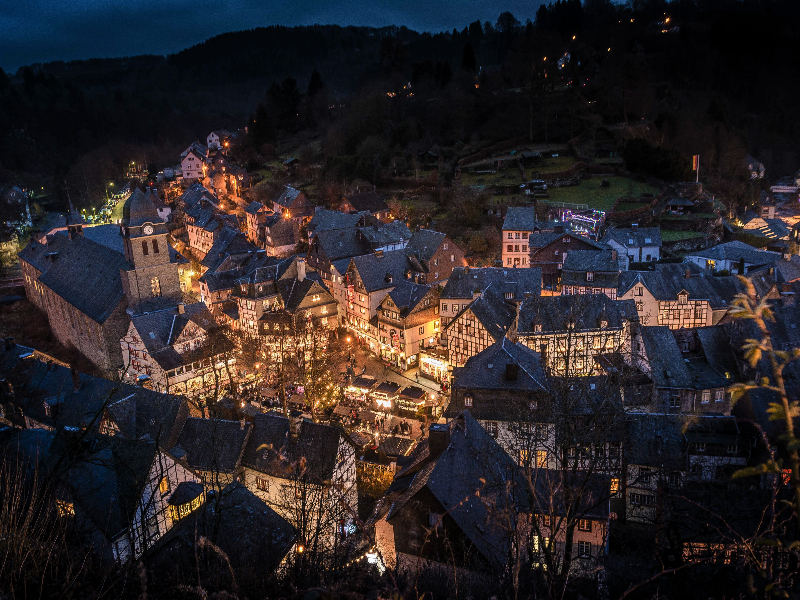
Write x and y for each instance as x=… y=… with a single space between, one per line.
x=262 y=483
x=163 y=486
x=467 y=400
x=524 y=456
x=584 y=525
x=706 y=396
x=541 y=459
x=615 y=485
x=181 y=510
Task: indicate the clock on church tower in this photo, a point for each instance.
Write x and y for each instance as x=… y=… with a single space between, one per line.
x=153 y=280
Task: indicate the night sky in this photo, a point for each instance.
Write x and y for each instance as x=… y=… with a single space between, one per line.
x=46 y=30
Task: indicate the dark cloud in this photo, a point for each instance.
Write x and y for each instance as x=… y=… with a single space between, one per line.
x=46 y=30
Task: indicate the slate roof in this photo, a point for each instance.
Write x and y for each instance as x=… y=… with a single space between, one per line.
x=655 y=440
x=87 y=276
x=379 y=235
x=272 y=449
x=520 y=218
x=494 y=313
x=737 y=250
x=406 y=295
x=540 y=240
x=376 y=271
x=464 y=281
x=139 y=209
x=472 y=461
x=160 y=329
x=788 y=270
x=213 y=444
x=424 y=243
x=340 y=243
x=254 y=208
x=602 y=263
x=229 y=241
x=328 y=220
x=287 y=197
x=105 y=235
x=667 y=367
x=554 y=313
x=253 y=538
x=668 y=280
x=371 y=202
x=185 y=493
x=476 y=372
x=280 y=230
x=221 y=280
x=109 y=483
x=634 y=238
x=35 y=254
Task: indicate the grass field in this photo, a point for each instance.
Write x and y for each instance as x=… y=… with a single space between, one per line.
x=554 y=165
x=590 y=193
x=677 y=236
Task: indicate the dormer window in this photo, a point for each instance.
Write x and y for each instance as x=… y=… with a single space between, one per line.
x=467 y=400
x=603 y=324
x=565 y=239
x=537 y=328
x=630 y=241
x=589 y=276
x=683 y=298
x=509 y=295
x=315 y=298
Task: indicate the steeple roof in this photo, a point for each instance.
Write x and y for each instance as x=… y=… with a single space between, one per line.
x=138 y=210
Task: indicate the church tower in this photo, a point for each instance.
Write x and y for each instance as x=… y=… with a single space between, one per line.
x=151 y=281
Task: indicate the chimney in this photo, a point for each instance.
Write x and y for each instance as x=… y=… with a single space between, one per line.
x=634 y=226
x=438 y=438
x=378 y=253
x=527 y=295
x=512 y=371
x=301 y=269
x=466 y=270
x=787 y=298
x=613 y=255
x=687 y=274
x=477 y=294
x=181 y=308
x=76 y=380
x=9 y=343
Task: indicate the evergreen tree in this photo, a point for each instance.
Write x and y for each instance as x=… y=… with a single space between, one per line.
x=468 y=62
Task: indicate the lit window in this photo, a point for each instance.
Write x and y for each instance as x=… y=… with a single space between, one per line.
x=719 y=395
x=155 y=286
x=491 y=428
x=163 y=486
x=615 y=485
x=467 y=400
x=541 y=459
x=262 y=483
x=706 y=396
x=584 y=525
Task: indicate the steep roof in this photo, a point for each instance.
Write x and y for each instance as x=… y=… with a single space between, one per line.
x=380 y=271
x=634 y=238
x=465 y=280
x=327 y=220
x=382 y=234
x=254 y=208
x=492 y=310
x=667 y=367
x=520 y=218
x=477 y=372
x=213 y=444
x=406 y=295
x=371 y=202
x=272 y=448
x=109 y=483
x=252 y=537
x=287 y=197
x=139 y=209
x=340 y=243
x=737 y=250
x=229 y=241
x=160 y=329
x=602 y=263
x=424 y=243
x=668 y=280
x=472 y=462
x=87 y=276
x=586 y=311
x=654 y=440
